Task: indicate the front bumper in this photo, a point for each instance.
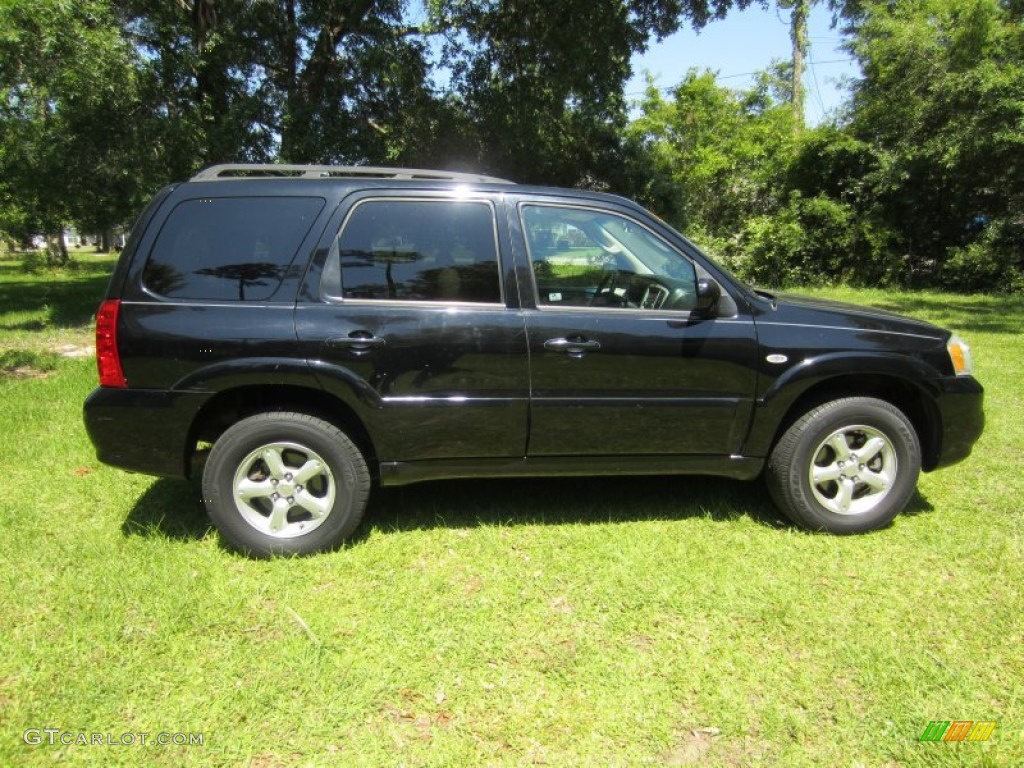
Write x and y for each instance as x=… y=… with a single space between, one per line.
x=960 y=402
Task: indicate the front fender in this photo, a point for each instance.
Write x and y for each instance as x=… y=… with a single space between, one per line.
x=849 y=372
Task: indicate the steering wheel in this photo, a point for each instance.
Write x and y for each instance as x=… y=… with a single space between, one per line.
x=605 y=289
x=655 y=295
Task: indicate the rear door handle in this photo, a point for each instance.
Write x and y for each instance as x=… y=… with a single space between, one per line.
x=574 y=347
x=359 y=342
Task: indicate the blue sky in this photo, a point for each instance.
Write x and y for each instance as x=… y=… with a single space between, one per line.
x=745 y=42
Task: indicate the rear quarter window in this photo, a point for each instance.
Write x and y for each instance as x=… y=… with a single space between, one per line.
x=229 y=249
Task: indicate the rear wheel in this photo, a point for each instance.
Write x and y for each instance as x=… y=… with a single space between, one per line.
x=846 y=466
x=283 y=483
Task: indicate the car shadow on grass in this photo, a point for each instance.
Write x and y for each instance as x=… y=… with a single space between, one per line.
x=918 y=505
x=171 y=508
x=566 y=501
x=578 y=501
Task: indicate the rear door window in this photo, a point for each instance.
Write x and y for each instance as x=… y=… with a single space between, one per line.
x=229 y=249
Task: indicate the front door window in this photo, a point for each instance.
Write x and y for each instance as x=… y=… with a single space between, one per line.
x=589 y=258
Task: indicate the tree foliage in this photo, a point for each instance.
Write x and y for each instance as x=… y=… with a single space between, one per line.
x=68 y=119
x=941 y=103
x=299 y=80
x=714 y=156
x=541 y=83
x=125 y=95
x=919 y=180
x=920 y=184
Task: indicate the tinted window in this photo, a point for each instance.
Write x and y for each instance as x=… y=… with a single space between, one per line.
x=235 y=249
x=417 y=250
x=589 y=258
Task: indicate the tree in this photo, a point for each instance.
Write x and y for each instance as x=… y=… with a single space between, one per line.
x=541 y=82
x=714 y=156
x=112 y=98
x=344 y=79
x=198 y=66
x=924 y=182
x=68 y=121
x=534 y=88
x=941 y=103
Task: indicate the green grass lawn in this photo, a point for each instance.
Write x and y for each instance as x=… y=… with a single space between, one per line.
x=576 y=622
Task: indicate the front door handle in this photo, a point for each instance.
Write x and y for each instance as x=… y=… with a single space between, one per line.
x=574 y=347
x=359 y=342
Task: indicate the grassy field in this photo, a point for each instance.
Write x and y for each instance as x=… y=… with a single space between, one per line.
x=599 y=622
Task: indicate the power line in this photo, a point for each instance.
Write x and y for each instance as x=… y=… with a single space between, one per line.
x=814 y=79
x=835 y=61
x=668 y=88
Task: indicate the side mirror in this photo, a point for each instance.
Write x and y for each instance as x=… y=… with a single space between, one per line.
x=708 y=294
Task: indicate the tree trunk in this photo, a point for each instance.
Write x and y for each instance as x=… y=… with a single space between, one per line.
x=798 y=35
x=56 y=250
x=290 y=116
x=306 y=86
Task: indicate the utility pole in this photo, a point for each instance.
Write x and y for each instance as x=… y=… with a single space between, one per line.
x=798 y=35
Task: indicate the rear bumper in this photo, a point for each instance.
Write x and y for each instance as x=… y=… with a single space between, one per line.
x=142 y=430
x=961 y=419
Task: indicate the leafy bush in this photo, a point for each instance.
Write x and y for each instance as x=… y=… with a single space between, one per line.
x=32 y=262
x=993 y=262
x=809 y=241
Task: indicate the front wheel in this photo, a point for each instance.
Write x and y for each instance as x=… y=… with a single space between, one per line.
x=282 y=483
x=846 y=466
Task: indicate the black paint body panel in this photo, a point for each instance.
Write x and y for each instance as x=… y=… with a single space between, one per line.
x=461 y=390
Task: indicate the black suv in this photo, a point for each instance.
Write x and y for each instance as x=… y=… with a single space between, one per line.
x=313 y=330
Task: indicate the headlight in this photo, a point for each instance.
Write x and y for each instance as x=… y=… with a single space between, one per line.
x=960 y=355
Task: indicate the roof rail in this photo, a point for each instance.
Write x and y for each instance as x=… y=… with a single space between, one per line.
x=237 y=171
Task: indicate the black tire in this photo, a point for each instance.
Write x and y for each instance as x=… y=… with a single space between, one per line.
x=867 y=490
x=322 y=476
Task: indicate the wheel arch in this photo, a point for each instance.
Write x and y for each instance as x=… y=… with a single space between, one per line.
x=899 y=392
x=229 y=406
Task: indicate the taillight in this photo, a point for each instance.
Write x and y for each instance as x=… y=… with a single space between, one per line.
x=108 y=361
